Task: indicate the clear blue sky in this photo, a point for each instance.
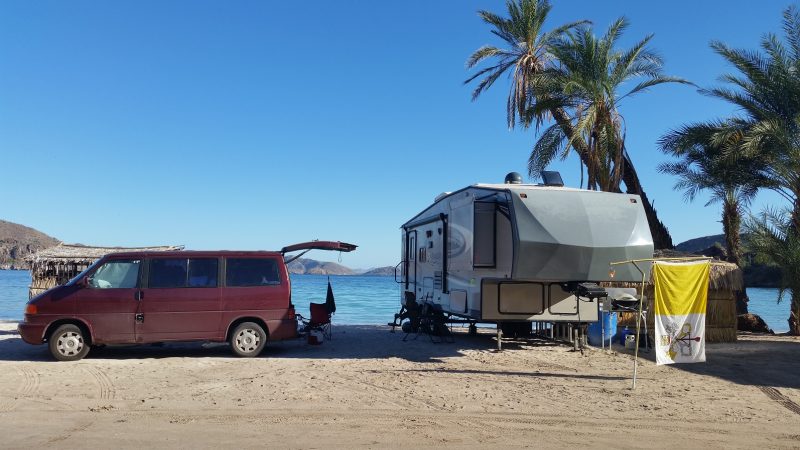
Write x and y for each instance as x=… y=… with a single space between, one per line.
x=252 y=125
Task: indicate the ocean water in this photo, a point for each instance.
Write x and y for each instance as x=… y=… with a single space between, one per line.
x=362 y=300
x=359 y=300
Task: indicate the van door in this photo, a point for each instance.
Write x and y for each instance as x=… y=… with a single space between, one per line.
x=109 y=303
x=181 y=300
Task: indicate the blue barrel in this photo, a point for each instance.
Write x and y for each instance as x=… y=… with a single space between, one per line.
x=607 y=323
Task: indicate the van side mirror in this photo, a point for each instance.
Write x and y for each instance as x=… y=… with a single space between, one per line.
x=84 y=282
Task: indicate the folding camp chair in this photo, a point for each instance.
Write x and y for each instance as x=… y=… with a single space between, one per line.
x=321 y=314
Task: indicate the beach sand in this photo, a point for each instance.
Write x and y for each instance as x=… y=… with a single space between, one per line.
x=367 y=387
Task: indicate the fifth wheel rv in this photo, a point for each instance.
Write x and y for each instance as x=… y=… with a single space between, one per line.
x=519 y=253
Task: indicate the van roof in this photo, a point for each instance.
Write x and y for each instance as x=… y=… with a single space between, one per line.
x=198 y=253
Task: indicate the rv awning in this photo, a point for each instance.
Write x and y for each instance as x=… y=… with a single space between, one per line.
x=320 y=245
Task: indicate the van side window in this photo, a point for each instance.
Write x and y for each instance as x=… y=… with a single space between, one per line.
x=252 y=272
x=203 y=272
x=116 y=274
x=167 y=273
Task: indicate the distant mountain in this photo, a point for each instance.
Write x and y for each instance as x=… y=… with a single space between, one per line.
x=17 y=242
x=755 y=275
x=387 y=271
x=305 y=266
x=312 y=267
x=701 y=243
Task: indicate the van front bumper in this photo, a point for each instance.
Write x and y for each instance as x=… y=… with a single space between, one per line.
x=32 y=333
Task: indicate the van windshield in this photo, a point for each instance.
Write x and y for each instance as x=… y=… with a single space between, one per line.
x=82 y=274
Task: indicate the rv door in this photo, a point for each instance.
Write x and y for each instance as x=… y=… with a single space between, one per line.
x=410 y=261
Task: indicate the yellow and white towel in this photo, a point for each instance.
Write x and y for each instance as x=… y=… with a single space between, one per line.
x=681 y=296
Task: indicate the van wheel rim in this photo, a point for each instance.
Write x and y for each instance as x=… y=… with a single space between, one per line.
x=248 y=340
x=70 y=343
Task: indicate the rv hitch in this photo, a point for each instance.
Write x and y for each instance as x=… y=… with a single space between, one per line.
x=584 y=289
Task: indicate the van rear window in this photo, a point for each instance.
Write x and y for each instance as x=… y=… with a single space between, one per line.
x=252 y=272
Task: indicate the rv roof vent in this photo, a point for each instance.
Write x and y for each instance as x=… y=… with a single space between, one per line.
x=441 y=196
x=513 y=178
x=552 y=178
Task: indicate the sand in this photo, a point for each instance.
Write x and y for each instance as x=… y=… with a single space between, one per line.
x=367 y=387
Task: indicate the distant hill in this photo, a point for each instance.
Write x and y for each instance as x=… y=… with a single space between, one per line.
x=387 y=271
x=755 y=275
x=17 y=242
x=312 y=267
x=701 y=243
x=305 y=266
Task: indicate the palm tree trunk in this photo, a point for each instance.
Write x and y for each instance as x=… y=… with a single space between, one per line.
x=661 y=236
x=794 y=314
x=731 y=224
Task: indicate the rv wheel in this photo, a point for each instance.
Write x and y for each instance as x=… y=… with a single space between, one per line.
x=68 y=343
x=248 y=339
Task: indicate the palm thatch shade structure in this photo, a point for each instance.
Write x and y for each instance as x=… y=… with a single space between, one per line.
x=725 y=285
x=57 y=265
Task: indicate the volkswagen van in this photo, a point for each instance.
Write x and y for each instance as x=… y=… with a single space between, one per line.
x=239 y=297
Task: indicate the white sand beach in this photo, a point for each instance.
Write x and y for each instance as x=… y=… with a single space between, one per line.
x=367 y=387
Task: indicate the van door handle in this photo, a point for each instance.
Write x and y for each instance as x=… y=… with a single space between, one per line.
x=139 y=296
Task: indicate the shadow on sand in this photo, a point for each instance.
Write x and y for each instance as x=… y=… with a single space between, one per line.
x=773 y=363
x=349 y=342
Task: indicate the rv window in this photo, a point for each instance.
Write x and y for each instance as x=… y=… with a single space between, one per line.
x=252 y=272
x=483 y=236
x=167 y=273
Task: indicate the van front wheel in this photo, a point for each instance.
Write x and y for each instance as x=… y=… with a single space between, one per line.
x=248 y=339
x=68 y=343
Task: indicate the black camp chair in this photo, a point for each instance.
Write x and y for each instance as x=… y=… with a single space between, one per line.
x=321 y=315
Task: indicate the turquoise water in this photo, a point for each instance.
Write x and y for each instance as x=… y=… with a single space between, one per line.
x=763 y=301
x=13 y=293
x=361 y=300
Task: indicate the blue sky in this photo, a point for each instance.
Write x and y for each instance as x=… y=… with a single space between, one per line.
x=252 y=125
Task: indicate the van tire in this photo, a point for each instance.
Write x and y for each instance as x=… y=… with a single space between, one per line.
x=68 y=343
x=248 y=339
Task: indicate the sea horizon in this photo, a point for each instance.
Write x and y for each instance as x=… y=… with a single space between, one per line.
x=362 y=299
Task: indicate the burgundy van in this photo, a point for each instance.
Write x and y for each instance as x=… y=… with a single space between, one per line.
x=239 y=297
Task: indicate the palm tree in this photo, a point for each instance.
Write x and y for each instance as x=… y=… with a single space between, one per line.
x=705 y=165
x=589 y=82
x=528 y=59
x=527 y=54
x=767 y=92
x=773 y=238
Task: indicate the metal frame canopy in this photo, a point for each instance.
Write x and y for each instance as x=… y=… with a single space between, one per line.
x=635 y=263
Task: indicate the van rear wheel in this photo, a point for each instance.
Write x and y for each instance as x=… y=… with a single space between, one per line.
x=248 y=339
x=68 y=343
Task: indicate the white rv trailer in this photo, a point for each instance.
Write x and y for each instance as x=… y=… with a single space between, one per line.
x=506 y=252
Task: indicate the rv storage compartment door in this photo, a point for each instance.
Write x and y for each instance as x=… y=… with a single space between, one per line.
x=527 y=300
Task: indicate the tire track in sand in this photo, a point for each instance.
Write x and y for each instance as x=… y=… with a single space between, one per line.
x=28 y=387
x=30 y=381
x=783 y=400
x=107 y=389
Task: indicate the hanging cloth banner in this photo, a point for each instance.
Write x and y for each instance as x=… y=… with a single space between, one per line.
x=681 y=296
